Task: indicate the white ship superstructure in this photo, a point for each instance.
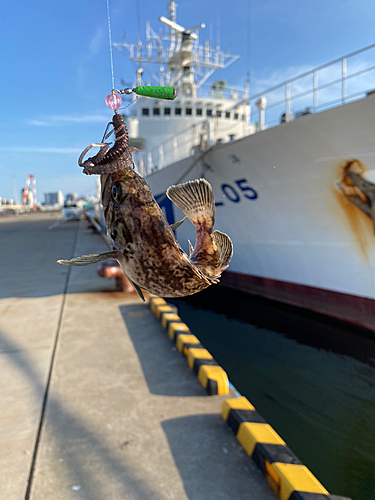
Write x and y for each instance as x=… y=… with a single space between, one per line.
x=292 y=169
x=202 y=113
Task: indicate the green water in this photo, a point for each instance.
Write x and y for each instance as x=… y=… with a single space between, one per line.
x=313 y=380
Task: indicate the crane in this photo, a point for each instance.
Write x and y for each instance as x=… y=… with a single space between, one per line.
x=27 y=191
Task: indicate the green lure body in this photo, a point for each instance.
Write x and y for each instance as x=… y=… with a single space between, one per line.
x=157 y=92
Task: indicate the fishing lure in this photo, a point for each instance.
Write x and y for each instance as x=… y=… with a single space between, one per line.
x=110 y=160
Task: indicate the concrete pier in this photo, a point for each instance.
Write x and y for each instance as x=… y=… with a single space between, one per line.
x=95 y=402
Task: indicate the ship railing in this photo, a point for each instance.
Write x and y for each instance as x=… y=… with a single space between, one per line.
x=187 y=142
x=338 y=82
x=228 y=93
x=173 y=149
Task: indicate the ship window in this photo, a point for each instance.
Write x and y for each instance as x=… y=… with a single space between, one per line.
x=227 y=114
x=236 y=116
x=145 y=111
x=156 y=111
x=199 y=112
x=177 y=111
x=218 y=114
x=243 y=118
x=188 y=111
x=167 y=111
x=209 y=112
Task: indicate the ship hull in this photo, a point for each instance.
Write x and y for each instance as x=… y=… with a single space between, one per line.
x=297 y=238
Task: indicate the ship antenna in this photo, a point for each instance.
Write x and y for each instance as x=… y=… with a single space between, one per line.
x=172 y=10
x=248 y=48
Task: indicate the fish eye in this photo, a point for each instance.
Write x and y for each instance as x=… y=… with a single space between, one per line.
x=117 y=193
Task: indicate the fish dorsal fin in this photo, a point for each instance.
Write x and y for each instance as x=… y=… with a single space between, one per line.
x=176 y=225
x=191 y=248
x=196 y=200
x=225 y=248
x=85 y=260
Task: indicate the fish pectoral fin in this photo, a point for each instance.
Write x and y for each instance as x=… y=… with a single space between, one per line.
x=85 y=260
x=191 y=249
x=176 y=225
x=225 y=248
x=196 y=200
x=136 y=287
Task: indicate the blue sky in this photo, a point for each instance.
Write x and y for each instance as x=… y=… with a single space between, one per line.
x=56 y=68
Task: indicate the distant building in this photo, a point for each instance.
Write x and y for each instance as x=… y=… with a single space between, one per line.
x=71 y=198
x=54 y=198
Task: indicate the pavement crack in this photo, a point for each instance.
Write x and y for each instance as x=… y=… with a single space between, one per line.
x=46 y=392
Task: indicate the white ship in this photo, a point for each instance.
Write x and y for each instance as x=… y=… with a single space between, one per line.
x=292 y=168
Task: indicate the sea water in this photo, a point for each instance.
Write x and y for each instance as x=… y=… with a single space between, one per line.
x=311 y=378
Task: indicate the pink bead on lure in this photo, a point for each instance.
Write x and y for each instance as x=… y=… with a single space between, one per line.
x=113 y=101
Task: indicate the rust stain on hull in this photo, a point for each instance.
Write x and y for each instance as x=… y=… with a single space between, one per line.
x=361 y=226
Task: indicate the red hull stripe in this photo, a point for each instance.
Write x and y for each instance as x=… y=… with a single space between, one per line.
x=351 y=308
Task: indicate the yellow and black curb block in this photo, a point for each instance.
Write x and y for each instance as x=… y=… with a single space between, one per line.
x=287 y=476
x=211 y=376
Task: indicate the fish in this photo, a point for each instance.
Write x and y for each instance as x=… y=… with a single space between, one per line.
x=145 y=245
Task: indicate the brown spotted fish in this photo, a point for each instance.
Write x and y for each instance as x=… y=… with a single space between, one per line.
x=144 y=243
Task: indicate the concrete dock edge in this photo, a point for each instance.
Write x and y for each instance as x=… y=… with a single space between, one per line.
x=284 y=472
x=210 y=375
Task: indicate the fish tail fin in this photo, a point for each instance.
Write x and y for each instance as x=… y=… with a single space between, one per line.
x=224 y=247
x=196 y=200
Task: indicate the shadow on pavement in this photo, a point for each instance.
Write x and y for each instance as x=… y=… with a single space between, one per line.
x=164 y=368
x=213 y=465
x=83 y=455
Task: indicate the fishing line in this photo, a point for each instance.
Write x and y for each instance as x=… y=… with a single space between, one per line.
x=130 y=103
x=110 y=45
x=113 y=100
x=138 y=22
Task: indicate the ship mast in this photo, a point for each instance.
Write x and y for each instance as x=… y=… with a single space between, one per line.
x=175 y=58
